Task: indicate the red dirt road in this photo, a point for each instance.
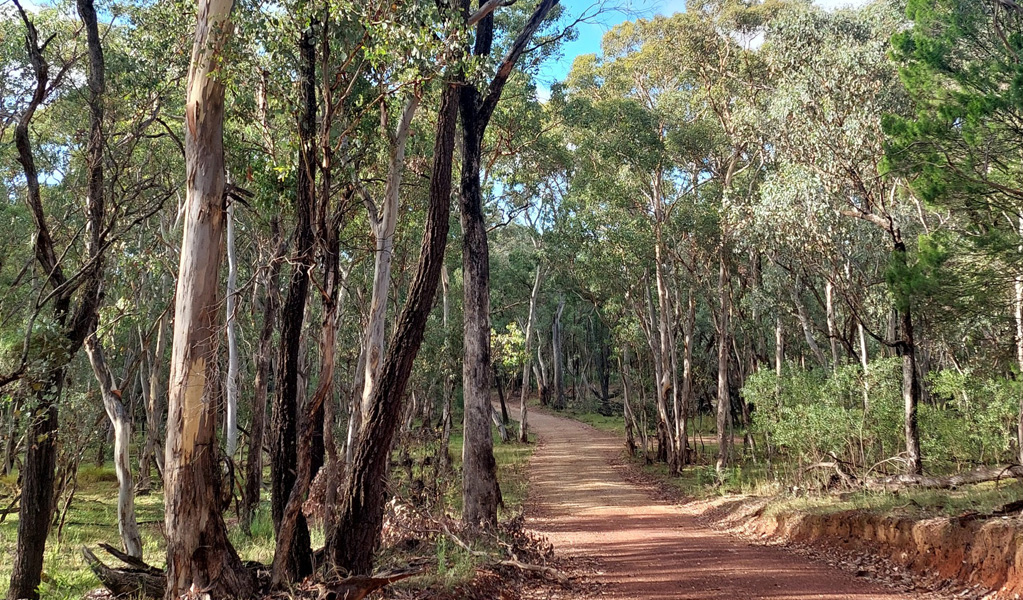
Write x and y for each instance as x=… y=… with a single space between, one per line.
x=643 y=548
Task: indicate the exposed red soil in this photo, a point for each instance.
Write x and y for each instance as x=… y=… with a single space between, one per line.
x=634 y=544
x=974 y=550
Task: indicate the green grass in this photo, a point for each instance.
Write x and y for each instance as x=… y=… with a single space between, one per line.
x=91 y=520
x=913 y=503
x=612 y=424
x=512 y=459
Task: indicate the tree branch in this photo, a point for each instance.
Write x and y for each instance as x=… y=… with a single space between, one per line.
x=504 y=71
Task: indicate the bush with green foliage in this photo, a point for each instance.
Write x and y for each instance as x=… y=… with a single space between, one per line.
x=815 y=416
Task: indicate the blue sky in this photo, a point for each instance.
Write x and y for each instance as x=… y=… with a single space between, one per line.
x=590 y=33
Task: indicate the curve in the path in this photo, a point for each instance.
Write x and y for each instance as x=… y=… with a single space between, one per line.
x=644 y=548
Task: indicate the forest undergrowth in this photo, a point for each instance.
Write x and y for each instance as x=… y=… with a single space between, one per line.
x=421 y=528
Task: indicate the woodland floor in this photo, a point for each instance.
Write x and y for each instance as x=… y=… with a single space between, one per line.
x=628 y=541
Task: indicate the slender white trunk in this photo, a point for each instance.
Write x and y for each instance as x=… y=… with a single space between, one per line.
x=865 y=363
x=127 y=526
x=666 y=356
x=524 y=393
x=724 y=408
x=779 y=346
x=383 y=228
x=355 y=416
x=689 y=330
x=154 y=407
x=231 y=427
x=499 y=423
x=804 y=321
x=829 y=293
x=1019 y=348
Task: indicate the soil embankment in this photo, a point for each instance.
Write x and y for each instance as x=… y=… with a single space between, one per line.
x=972 y=549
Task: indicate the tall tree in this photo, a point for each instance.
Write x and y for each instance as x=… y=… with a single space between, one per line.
x=361 y=511
x=959 y=147
x=73 y=322
x=480 y=491
x=842 y=150
x=199 y=555
x=285 y=416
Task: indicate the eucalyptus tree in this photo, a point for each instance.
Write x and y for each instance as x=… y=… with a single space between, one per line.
x=477 y=102
x=529 y=162
x=73 y=275
x=620 y=107
x=665 y=108
x=199 y=554
x=834 y=85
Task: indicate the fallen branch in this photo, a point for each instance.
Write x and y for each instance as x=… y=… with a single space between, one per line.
x=847 y=478
x=360 y=586
x=560 y=576
x=943 y=483
x=147 y=581
x=549 y=571
x=10 y=508
x=132 y=561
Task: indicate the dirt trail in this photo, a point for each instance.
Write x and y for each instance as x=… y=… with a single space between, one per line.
x=643 y=548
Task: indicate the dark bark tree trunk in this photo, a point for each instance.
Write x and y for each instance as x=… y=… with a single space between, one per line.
x=630 y=418
x=911 y=389
x=198 y=551
x=285 y=417
x=500 y=394
x=360 y=515
x=37 y=473
x=37 y=498
x=479 y=468
x=11 y=443
x=480 y=491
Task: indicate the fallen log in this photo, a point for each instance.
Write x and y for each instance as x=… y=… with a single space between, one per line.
x=561 y=577
x=897 y=482
x=360 y=586
x=138 y=579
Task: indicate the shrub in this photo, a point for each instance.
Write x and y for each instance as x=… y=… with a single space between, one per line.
x=812 y=416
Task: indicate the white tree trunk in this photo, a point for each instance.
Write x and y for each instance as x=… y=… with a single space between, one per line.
x=779 y=346
x=724 y=408
x=829 y=293
x=198 y=551
x=154 y=406
x=666 y=355
x=804 y=321
x=865 y=363
x=1018 y=306
x=526 y=364
x=127 y=526
x=384 y=225
x=231 y=427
